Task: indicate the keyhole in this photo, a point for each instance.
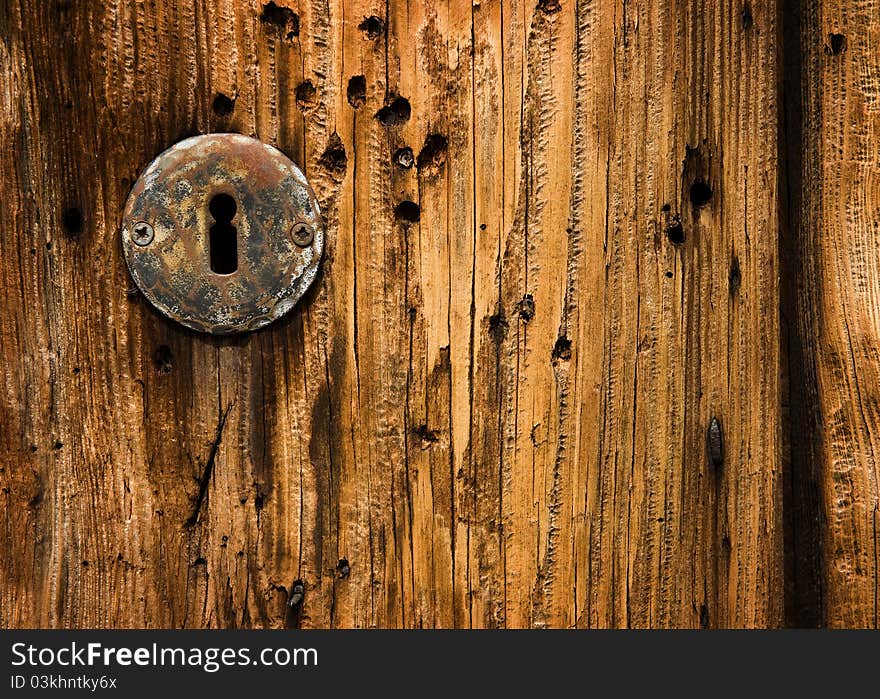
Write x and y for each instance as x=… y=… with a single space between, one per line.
x=223 y=238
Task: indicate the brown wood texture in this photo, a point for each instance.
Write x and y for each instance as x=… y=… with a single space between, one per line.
x=494 y=408
x=834 y=207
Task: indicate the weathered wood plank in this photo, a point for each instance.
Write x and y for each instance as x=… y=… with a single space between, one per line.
x=492 y=408
x=834 y=208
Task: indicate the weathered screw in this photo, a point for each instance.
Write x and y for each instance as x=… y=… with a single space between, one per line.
x=404 y=158
x=297 y=594
x=142 y=233
x=302 y=234
x=343 y=568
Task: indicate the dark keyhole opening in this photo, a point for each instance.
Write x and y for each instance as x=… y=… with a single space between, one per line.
x=223 y=238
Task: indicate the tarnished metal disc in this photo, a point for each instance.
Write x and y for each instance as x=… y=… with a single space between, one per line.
x=222 y=233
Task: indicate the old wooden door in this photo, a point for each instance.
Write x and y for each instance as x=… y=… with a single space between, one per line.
x=594 y=341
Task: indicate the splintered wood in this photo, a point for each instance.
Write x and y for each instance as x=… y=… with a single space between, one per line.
x=540 y=380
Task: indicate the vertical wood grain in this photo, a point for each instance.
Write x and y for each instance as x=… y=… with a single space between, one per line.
x=492 y=407
x=835 y=198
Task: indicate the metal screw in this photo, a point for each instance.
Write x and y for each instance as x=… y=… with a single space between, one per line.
x=404 y=158
x=142 y=233
x=297 y=594
x=302 y=234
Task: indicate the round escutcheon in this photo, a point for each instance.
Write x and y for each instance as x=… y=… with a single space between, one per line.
x=222 y=233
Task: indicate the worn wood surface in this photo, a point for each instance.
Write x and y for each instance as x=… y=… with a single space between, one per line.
x=495 y=406
x=834 y=205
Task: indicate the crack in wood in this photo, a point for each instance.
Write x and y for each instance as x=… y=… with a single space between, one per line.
x=209 y=466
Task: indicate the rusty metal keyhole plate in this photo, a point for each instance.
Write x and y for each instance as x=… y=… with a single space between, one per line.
x=244 y=198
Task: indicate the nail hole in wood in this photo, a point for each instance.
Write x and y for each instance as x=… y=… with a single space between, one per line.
x=222 y=105
x=357 y=91
x=373 y=27
x=407 y=211
x=701 y=193
x=433 y=153
x=734 y=278
x=306 y=96
x=334 y=159
x=562 y=349
x=675 y=232
x=836 y=44
x=428 y=436
x=280 y=20
x=72 y=220
x=398 y=112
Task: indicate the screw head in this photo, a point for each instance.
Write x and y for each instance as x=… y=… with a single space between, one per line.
x=404 y=158
x=302 y=234
x=142 y=233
